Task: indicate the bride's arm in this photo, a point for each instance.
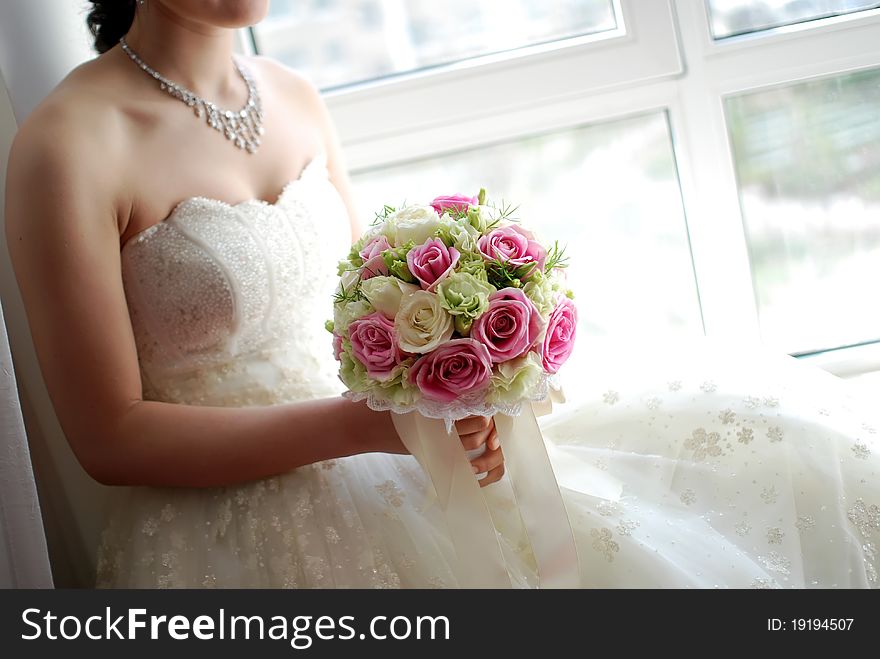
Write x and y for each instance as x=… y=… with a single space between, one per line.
x=63 y=237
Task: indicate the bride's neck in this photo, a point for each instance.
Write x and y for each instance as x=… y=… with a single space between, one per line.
x=194 y=55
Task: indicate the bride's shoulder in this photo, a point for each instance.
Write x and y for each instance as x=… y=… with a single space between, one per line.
x=68 y=146
x=80 y=120
x=82 y=115
x=291 y=84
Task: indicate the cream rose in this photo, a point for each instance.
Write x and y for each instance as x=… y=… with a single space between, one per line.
x=411 y=224
x=385 y=294
x=421 y=323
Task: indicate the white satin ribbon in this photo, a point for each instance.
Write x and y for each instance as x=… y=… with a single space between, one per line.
x=480 y=561
x=539 y=499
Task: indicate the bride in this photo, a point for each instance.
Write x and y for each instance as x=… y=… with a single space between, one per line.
x=168 y=255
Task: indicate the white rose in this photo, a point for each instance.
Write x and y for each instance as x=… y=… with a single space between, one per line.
x=421 y=323
x=411 y=224
x=385 y=293
x=348 y=281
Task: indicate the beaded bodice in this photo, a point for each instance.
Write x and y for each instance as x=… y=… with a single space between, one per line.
x=227 y=302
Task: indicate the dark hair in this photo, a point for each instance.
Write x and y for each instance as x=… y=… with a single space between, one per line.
x=109 y=21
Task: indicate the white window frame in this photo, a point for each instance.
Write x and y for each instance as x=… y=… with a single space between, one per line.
x=665 y=59
x=718 y=69
x=378 y=121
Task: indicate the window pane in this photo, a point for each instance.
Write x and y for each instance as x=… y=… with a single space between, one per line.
x=734 y=17
x=338 y=42
x=808 y=163
x=609 y=191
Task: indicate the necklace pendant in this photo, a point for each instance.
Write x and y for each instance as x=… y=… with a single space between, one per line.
x=242 y=127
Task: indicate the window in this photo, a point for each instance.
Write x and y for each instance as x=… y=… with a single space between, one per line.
x=387 y=37
x=609 y=191
x=808 y=164
x=732 y=18
x=704 y=182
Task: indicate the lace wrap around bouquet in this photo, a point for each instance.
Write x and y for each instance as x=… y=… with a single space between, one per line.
x=450 y=310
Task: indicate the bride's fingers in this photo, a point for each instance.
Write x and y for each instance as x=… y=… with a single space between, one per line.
x=473 y=424
x=492 y=441
x=490 y=460
x=493 y=476
x=476 y=440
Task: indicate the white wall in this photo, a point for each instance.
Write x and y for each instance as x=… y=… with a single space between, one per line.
x=23 y=557
x=40 y=42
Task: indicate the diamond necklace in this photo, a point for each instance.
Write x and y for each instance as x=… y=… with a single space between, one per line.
x=242 y=128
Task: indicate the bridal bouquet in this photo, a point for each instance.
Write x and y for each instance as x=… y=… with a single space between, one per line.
x=451 y=309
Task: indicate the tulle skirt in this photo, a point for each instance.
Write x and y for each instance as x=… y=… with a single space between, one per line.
x=718 y=470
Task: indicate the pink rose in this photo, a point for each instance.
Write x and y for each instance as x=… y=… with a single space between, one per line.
x=509 y=327
x=513 y=245
x=337 y=346
x=431 y=262
x=458 y=202
x=374 y=267
x=559 y=340
x=374 y=344
x=455 y=369
x=374 y=247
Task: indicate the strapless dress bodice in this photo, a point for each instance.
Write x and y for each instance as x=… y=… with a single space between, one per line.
x=223 y=298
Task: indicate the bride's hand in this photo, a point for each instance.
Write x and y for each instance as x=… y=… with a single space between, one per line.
x=475 y=431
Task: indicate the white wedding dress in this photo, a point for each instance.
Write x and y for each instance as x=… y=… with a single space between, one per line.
x=715 y=471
